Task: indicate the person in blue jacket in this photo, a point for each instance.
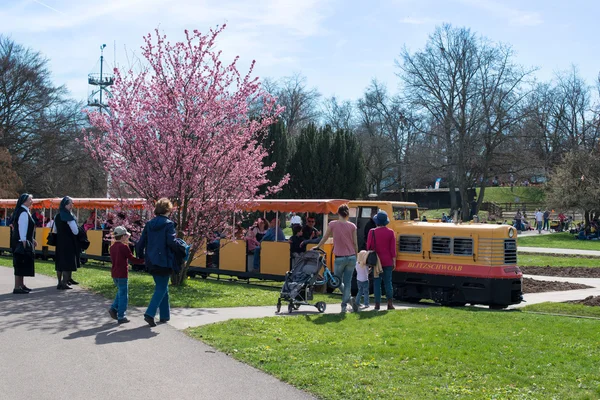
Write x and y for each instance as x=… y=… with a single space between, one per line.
x=157 y=245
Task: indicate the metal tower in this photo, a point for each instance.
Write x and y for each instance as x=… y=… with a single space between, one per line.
x=99 y=84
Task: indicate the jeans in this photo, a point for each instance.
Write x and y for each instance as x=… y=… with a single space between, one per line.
x=363 y=290
x=257 y=258
x=343 y=269
x=546 y=224
x=122 y=297
x=539 y=226
x=387 y=281
x=160 y=298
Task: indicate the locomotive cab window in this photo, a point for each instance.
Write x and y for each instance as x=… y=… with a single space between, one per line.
x=463 y=246
x=409 y=244
x=399 y=213
x=441 y=245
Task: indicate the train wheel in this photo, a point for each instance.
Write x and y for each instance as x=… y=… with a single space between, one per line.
x=203 y=275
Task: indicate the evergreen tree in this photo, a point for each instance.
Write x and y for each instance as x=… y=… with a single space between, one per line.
x=276 y=142
x=325 y=164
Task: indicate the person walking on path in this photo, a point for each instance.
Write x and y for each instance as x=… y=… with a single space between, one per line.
x=539 y=220
x=345 y=248
x=546 y=220
x=119 y=255
x=383 y=241
x=156 y=246
x=22 y=243
x=67 y=254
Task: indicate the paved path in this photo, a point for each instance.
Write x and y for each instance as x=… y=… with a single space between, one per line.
x=63 y=345
x=549 y=250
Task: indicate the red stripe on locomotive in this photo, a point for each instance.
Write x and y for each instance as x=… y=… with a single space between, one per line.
x=449 y=269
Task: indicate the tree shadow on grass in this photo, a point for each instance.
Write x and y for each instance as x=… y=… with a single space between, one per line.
x=76 y=313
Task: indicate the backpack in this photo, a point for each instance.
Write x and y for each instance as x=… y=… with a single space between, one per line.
x=181 y=250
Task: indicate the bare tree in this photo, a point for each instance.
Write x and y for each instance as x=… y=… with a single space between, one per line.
x=388 y=131
x=339 y=115
x=301 y=103
x=470 y=89
x=40 y=126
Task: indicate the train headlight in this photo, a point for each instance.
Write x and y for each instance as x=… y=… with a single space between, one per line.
x=511 y=232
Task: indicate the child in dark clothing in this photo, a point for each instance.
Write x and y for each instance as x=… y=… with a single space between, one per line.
x=296 y=240
x=119 y=255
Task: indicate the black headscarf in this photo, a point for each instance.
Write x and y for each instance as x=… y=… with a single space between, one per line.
x=65 y=214
x=22 y=199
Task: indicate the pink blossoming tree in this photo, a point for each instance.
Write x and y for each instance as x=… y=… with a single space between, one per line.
x=183 y=129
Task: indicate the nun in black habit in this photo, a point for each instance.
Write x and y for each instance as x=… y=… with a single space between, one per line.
x=66 y=258
x=22 y=243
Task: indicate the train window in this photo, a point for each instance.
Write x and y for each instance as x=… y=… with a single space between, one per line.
x=463 y=246
x=413 y=213
x=399 y=213
x=441 y=245
x=365 y=212
x=409 y=244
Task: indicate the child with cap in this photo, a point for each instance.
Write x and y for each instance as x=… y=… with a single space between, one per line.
x=119 y=255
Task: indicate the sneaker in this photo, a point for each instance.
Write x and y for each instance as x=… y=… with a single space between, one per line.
x=149 y=320
x=113 y=313
x=353 y=304
x=344 y=309
x=163 y=321
x=123 y=320
x=366 y=306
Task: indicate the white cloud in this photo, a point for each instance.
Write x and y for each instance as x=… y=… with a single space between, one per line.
x=69 y=32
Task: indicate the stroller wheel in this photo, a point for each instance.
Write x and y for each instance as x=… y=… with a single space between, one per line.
x=296 y=306
x=290 y=307
x=278 y=306
x=321 y=306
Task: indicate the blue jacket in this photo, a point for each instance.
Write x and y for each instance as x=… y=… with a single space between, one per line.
x=270 y=235
x=157 y=243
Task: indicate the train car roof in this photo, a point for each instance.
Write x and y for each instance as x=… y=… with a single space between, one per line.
x=393 y=203
x=86 y=203
x=327 y=206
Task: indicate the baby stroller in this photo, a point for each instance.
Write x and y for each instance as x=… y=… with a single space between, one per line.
x=299 y=283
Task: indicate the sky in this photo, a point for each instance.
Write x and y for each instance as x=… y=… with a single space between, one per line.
x=338 y=45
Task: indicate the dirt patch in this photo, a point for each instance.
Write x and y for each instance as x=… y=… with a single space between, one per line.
x=575 y=272
x=593 y=301
x=535 y=286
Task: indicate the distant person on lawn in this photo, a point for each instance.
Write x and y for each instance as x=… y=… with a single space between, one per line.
x=120 y=254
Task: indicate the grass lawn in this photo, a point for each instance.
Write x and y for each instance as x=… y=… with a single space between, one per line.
x=436 y=213
x=564 y=308
x=534 y=260
x=196 y=293
x=435 y=353
x=527 y=194
x=563 y=240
